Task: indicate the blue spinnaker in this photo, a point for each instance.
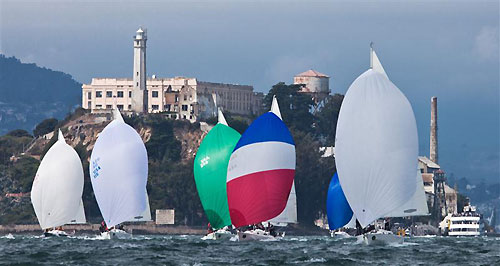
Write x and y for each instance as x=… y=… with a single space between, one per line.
x=337 y=208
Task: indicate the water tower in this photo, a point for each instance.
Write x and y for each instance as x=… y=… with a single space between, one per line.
x=314 y=83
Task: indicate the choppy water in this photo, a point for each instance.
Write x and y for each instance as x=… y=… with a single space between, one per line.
x=190 y=250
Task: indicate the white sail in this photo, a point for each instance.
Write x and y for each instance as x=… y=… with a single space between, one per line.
x=417 y=205
x=289 y=214
x=221 y=118
x=375 y=63
x=275 y=107
x=80 y=215
x=376 y=147
x=119 y=172
x=145 y=216
x=58 y=185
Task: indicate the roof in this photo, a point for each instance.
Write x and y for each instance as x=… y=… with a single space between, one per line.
x=428 y=162
x=428 y=178
x=312 y=73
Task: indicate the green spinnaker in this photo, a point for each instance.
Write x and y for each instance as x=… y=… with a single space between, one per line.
x=210 y=170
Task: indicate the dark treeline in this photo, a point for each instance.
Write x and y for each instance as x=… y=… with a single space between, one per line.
x=171 y=181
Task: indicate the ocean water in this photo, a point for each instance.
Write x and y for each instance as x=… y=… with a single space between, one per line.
x=292 y=250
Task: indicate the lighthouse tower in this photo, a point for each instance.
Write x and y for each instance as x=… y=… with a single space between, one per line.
x=140 y=93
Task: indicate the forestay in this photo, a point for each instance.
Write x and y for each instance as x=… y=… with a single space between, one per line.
x=58 y=185
x=376 y=147
x=119 y=171
x=210 y=171
x=260 y=171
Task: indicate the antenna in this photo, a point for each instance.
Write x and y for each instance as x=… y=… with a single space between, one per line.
x=371 y=55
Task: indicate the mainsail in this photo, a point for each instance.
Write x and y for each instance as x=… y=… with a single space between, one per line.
x=119 y=172
x=80 y=215
x=145 y=216
x=376 y=147
x=260 y=171
x=417 y=205
x=58 y=186
x=338 y=211
x=210 y=171
x=289 y=214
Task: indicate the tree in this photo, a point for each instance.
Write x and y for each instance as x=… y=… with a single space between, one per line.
x=312 y=177
x=327 y=118
x=295 y=107
x=46 y=126
x=19 y=133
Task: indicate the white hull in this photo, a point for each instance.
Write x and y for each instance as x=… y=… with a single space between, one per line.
x=463 y=233
x=381 y=238
x=56 y=233
x=257 y=234
x=116 y=234
x=339 y=234
x=218 y=235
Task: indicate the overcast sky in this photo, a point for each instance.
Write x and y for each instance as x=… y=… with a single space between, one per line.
x=448 y=49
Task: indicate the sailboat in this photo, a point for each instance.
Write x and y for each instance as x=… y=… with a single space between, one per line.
x=260 y=174
x=57 y=189
x=119 y=173
x=338 y=211
x=210 y=173
x=289 y=214
x=376 y=149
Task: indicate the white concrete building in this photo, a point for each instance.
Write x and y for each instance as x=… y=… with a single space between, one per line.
x=315 y=83
x=179 y=97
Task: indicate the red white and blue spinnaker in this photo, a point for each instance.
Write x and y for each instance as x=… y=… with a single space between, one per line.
x=261 y=170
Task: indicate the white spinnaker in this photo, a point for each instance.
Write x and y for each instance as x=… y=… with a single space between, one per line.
x=58 y=186
x=417 y=205
x=289 y=214
x=145 y=216
x=119 y=172
x=376 y=147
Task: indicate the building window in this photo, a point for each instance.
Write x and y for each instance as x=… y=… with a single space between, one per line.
x=89 y=104
x=184 y=116
x=191 y=107
x=129 y=107
x=184 y=107
x=155 y=107
x=98 y=94
x=185 y=97
x=137 y=84
x=130 y=94
x=167 y=107
x=120 y=107
x=119 y=94
x=109 y=94
x=89 y=95
x=154 y=94
x=137 y=73
x=190 y=97
x=109 y=106
x=177 y=98
x=190 y=117
x=98 y=106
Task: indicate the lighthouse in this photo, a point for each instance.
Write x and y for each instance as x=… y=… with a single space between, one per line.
x=140 y=93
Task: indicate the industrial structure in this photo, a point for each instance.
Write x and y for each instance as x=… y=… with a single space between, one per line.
x=178 y=97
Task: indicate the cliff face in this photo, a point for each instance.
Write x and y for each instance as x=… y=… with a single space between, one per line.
x=178 y=139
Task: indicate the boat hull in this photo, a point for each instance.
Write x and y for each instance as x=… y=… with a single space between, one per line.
x=55 y=233
x=252 y=235
x=116 y=234
x=218 y=235
x=381 y=238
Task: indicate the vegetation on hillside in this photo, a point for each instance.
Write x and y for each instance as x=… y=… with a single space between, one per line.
x=171 y=182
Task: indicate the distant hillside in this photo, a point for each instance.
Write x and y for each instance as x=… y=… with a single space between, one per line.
x=29 y=94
